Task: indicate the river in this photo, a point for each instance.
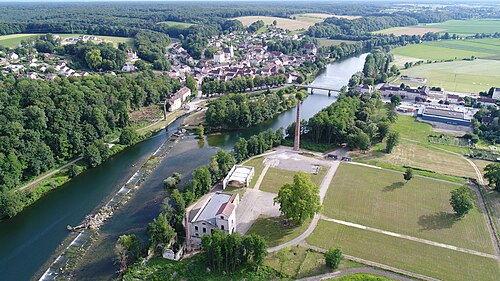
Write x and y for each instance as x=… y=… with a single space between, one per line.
x=30 y=238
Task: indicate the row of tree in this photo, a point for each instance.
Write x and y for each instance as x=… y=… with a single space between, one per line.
x=257 y=144
x=240 y=111
x=228 y=253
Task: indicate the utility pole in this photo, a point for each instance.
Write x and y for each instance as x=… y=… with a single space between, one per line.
x=296 y=143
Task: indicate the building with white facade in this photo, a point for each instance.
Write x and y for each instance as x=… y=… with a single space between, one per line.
x=219 y=57
x=218 y=212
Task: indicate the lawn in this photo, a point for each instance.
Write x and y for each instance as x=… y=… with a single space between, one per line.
x=419 y=208
x=408 y=30
x=275 y=178
x=416 y=257
x=299 y=262
x=459 y=76
x=273 y=230
x=451 y=49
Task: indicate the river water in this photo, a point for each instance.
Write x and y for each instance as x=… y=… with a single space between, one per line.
x=30 y=238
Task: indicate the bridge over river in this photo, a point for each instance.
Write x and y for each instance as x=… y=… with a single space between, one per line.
x=312 y=88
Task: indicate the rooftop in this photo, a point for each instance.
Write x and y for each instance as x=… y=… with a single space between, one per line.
x=213 y=207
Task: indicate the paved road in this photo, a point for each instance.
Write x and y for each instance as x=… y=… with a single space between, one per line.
x=255 y=203
x=411 y=238
x=349 y=271
x=50 y=174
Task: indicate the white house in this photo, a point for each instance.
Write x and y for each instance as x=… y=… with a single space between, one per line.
x=13 y=56
x=178 y=98
x=128 y=67
x=219 y=57
x=218 y=212
x=364 y=88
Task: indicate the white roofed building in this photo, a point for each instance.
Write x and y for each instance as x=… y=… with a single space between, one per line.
x=238 y=176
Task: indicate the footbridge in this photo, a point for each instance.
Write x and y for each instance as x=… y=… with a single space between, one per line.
x=311 y=88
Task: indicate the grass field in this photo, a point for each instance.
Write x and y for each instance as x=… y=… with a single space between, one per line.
x=176 y=24
x=299 y=262
x=452 y=49
x=14 y=40
x=419 y=208
x=290 y=24
x=459 y=76
x=416 y=257
x=275 y=178
x=460 y=27
x=273 y=231
x=323 y=42
x=415 y=151
x=361 y=277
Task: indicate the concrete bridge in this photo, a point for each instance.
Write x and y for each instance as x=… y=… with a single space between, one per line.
x=330 y=90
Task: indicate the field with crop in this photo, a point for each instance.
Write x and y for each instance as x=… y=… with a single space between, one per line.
x=459 y=27
x=300 y=23
x=14 y=40
x=452 y=49
x=459 y=76
x=323 y=42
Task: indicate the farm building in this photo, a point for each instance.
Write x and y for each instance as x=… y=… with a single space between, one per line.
x=239 y=176
x=444 y=116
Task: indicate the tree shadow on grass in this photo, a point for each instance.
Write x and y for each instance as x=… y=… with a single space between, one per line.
x=393 y=186
x=438 y=220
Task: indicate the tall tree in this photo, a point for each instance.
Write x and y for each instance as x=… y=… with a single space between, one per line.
x=299 y=200
x=160 y=232
x=461 y=201
x=392 y=141
x=492 y=174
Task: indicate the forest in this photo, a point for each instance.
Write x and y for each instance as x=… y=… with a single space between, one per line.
x=240 y=111
x=43 y=124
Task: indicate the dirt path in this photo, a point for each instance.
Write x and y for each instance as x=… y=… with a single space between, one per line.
x=50 y=174
x=375 y=264
x=411 y=238
x=349 y=271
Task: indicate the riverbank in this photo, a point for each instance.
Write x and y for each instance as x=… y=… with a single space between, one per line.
x=64 y=264
x=54 y=179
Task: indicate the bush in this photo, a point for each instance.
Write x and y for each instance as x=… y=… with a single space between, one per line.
x=333 y=257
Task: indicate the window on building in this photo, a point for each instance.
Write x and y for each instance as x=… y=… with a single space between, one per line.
x=196 y=227
x=221 y=217
x=222 y=227
x=204 y=230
